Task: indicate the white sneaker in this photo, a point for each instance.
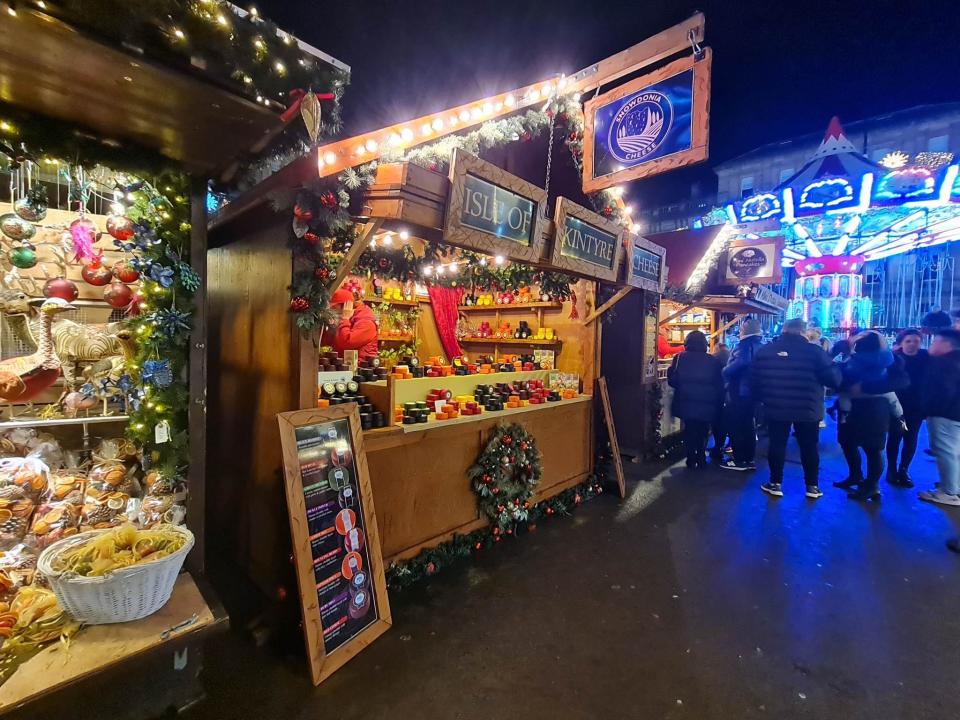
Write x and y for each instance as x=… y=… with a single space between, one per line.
x=941 y=498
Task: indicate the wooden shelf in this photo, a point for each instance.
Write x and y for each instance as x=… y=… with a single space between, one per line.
x=434 y=424
x=532 y=342
x=37 y=422
x=705 y=323
x=395 y=338
x=398 y=303
x=511 y=307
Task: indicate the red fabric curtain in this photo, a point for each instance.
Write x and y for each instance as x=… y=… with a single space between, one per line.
x=444 y=302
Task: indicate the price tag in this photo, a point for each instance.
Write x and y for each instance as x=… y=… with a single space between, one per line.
x=161 y=432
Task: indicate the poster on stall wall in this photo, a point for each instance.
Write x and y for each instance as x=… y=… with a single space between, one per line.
x=336 y=544
x=655 y=123
x=752 y=261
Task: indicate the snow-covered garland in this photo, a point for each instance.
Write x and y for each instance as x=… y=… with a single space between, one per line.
x=323 y=224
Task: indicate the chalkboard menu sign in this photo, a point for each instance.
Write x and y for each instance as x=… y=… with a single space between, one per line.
x=586 y=243
x=335 y=540
x=493 y=212
x=646 y=269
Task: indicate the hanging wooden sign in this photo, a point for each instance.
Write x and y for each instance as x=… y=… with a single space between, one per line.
x=493 y=212
x=336 y=545
x=647 y=269
x=586 y=243
x=655 y=123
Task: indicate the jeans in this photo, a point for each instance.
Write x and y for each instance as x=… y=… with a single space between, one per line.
x=945 y=443
x=808 y=435
x=743 y=430
x=909 y=441
x=695 y=440
x=874 y=455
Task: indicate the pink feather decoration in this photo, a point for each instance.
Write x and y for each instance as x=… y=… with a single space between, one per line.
x=83 y=233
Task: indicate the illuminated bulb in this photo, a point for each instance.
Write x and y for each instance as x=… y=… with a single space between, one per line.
x=150 y=404
x=177 y=32
x=406 y=134
x=483 y=261
x=464 y=115
x=131 y=197
x=138 y=426
x=427 y=269
x=487 y=108
x=247 y=79
x=394 y=139
x=116 y=208
x=259 y=98
x=279 y=67
x=547 y=90
x=438 y=124
x=253 y=11
x=498 y=107
x=635 y=228
x=330 y=157
x=373 y=244
x=628 y=209
x=440 y=269
x=288 y=40
x=41 y=4
x=534 y=95
x=509 y=101
x=453 y=121
x=563 y=83
x=360 y=150
x=476 y=113
x=425 y=129
x=259 y=43
x=576 y=96
x=388 y=239
x=371 y=145
x=499 y=260
x=454 y=267
x=222 y=19
x=617 y=191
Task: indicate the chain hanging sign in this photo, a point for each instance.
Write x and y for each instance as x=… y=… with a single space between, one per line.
x=655 y=123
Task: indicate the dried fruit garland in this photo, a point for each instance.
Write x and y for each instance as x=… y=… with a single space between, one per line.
x=505 y=476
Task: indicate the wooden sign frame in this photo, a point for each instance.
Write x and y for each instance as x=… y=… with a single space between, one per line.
x=612 y=434
x=642 y=282
x=776 y=269
x=567 y=208
x=463 y=164
x=322 y=664
x=699 y=131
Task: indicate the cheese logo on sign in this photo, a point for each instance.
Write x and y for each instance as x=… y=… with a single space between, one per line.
x=640 y=126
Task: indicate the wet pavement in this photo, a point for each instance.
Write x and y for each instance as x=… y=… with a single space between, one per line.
x=698 y=597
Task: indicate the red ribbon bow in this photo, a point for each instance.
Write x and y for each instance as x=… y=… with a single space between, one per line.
x=296 y=97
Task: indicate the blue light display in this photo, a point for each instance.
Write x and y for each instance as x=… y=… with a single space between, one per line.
x=760 y=207
x=826 y=193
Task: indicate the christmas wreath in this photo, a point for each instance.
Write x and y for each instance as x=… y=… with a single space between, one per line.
x=505 y=476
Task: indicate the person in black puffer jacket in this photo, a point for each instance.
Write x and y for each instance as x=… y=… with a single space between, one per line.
x=788 y=377
x=902 y=443
x=697 y=394
x=741 y=405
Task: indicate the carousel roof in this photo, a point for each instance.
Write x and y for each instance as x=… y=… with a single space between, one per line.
x=836 y=157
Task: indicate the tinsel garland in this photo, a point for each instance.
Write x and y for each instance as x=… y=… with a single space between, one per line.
x=660 y=447
x=505 y=476
x=402 y=575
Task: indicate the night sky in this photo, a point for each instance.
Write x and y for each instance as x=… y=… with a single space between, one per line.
x=780 y=68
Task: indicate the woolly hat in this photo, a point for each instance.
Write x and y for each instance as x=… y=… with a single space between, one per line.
x=749 y=328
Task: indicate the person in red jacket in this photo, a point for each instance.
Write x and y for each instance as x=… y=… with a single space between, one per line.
x=357 y=329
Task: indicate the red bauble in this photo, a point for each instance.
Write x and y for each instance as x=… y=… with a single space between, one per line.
x=299 y=304
x=523 y=446
x=507 y=440
x=125 y=272
x=118 y=295
x=431 y=568
x=94 y=273
x=322 y=273
x=607 y=211
x=496 y=491
x=477 y=546
x=120 y=227
x=311 y=237
x=60 y=288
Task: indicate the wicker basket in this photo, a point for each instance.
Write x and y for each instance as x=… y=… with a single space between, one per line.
x=123 y=595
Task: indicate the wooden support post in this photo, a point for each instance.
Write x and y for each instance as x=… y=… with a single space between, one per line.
x=617 y=297
x=197 y=410
x=720 y=329
x=677 y=314
x=354 y=253
x=612 y=435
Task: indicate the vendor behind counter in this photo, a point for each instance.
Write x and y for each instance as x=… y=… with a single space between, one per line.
x=357 y=329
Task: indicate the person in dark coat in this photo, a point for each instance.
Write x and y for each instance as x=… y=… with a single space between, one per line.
x=741 y=405
x=935 y=319
x=788 y=377
x=697 y=386
x=902 y=443
x=865 y=426
x=719 y=425
x=940 y=396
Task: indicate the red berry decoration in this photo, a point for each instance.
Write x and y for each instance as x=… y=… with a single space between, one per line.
x=477 y=546
x=94 y=273
x=328 y=200
x=607 y=211
x=523 y=446
x=431 y=568
x=507 y=440
x=303 y=214
x=118 y=295
x=322 y=273
x=311 y=238
x=299 y=304
x=496 y=491
x=125 y=272
x=60 y=288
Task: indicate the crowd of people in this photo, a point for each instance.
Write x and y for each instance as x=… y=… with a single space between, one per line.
x=880 y=398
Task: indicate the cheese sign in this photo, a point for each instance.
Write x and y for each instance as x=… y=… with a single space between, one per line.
x=646 y=264
x=585 y=242
x=494 y=210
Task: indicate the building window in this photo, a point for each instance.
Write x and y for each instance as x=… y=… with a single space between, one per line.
x=940 y=143
x=878 y=154
x=785 y=174
x=746 y=186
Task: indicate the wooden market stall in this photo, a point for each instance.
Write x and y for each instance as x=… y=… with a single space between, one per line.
x=105 y=221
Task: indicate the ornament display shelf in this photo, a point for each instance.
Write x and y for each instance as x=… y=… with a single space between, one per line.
x=398 y=303
x=186 y=616
x=395 y=338
x=488 y=414
x=511 y=307
x=22 y=422
x=530 y=342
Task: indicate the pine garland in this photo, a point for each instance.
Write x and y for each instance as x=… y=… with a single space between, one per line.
x=505 y=476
